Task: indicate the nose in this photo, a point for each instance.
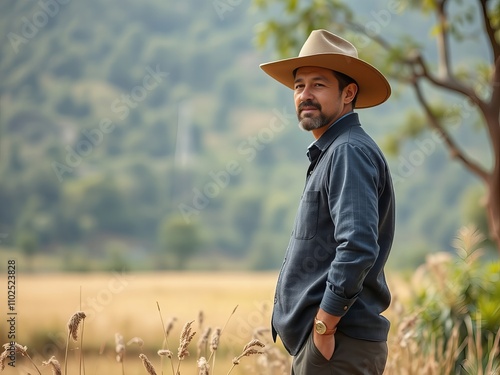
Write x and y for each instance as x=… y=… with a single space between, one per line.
x=305 y=94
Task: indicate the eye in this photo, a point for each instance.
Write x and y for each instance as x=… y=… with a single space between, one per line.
x=299 y=86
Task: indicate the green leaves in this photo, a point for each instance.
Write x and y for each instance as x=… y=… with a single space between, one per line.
x=288 y=35
x=457 y=291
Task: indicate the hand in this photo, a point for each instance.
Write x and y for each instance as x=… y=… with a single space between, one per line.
x=325 y=344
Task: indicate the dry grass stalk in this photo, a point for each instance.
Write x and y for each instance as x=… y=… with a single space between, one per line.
x=185 y=339
x=227 y=321
x=54 y=364
x=252 y=348
x=214 y=342
x=467 y=243
x=203 y=366
x=448 y=358
x=165 y=353
x=120 y=350
x=147 y=364
x=18 y=349
x=246 y=353
x=203 y=341
x=274 y=360
x=119 y=347
x=492 y=367
x=74 y=324
x=406 y=330
x=201 y=318
x=253 y=343
x=170 y=326
x=3 y=357
x=214 y=345
x=166 y=332
x=473 y=362
x=216 y=338
x=136 y=340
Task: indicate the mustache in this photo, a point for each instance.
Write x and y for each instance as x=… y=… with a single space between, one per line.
x=309 y=103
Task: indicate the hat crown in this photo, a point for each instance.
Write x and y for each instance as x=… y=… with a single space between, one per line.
x=322 y=41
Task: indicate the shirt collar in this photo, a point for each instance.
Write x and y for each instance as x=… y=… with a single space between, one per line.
x=333 y=131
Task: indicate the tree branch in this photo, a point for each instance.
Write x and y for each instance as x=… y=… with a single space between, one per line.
x=455 y=152
x=449 y=83
x=418 y=65
x=362 y=30
x=492 y=116
x=490 y=30
x=494 y=104
x=442 y=41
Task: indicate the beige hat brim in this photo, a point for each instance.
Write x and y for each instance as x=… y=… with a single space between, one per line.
x=374 y=89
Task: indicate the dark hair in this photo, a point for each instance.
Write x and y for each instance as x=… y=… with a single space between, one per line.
x=345 y=80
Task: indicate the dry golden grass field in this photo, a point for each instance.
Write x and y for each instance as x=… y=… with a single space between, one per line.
x=128 y=304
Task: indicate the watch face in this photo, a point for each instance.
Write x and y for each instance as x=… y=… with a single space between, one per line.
x=320 y=327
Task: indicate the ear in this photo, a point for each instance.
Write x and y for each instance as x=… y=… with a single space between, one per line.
x=350 y=92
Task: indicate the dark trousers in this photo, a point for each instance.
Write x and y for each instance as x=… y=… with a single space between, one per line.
x=351 y=357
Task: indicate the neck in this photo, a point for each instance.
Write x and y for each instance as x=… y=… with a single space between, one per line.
x=317 y=133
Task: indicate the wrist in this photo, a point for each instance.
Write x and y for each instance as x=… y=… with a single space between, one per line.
x=329 y=319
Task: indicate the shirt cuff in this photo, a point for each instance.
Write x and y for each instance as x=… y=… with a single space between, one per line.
x=334 y=304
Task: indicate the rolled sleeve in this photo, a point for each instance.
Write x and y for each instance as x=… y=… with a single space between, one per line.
x=334 y=304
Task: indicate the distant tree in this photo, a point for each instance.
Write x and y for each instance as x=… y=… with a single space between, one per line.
x=402 y=59
x=179 y=239
x=28 y=244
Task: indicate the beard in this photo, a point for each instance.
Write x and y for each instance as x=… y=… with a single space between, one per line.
x=310 y=122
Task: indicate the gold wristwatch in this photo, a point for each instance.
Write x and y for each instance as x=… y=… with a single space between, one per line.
x=321 y=328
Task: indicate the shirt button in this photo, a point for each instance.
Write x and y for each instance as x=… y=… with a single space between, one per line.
x=345 y=308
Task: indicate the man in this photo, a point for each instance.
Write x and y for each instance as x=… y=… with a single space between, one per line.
x=331 y=290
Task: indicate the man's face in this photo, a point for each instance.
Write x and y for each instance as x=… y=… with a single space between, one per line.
x=318 y=101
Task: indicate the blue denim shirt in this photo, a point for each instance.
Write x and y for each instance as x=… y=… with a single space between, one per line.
x=342 y=236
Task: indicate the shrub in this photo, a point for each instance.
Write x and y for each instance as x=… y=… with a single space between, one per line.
x=455 y=325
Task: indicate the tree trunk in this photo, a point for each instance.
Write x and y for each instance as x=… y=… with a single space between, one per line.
x=493 y=206
x=492 y=117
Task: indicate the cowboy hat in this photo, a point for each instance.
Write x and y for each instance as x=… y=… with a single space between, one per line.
x=326 y=50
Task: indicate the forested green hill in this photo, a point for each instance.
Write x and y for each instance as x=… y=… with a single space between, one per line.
x=134 y=130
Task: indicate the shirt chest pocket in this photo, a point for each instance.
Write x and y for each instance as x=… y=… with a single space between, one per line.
x=306 y=223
